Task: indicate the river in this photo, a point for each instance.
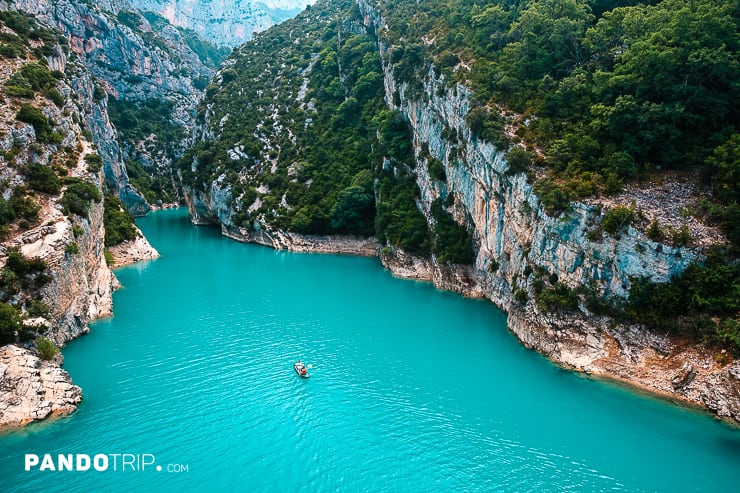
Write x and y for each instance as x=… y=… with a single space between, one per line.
x=411 y=389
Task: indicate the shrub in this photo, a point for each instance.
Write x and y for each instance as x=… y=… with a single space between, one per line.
x=519 y=160
x=7 y=213
x=47 y=350
x=437 y=170
x=99 y=93
x=43 y=179
x=35 y=117
x=94 y=162
x=119 y=224
x=617 y=219
x=37 y=308
x=453 y=242
x=521 y=296
x=78 y=195
x=708 y=291
x=553 y=197
x=16 y=21
x=10 y=323
x=654 y=232
x=475 y=119
x=24 y=207
x=72 y=249
x=559 y=297
x=38 y=76
x=18 y=89
x=55 y=96
x=21 y=265
x=682 y=236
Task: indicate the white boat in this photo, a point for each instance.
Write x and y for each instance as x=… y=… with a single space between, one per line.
x=301 y=369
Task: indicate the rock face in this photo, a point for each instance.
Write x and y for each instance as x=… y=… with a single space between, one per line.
x=515 y=236
x=132 y=251
x=135 y=63
x=225 y=22
x=32 y=389
x=80 y=291
x=513 y=232
x=68 y=17
x=80 y=284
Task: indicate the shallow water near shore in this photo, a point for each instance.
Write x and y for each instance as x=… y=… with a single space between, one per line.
x=411 y=389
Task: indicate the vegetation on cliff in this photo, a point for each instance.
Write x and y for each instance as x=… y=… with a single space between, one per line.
x=151 y=122
x=31 y=93
x=303 y=138
x=702 y=302
x=297 y=134
x=119 y=225
x=21 y=282
x=210 y=54
x=40 y=147
x=608 y=91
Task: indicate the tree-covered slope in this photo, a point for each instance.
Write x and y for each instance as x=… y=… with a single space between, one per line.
x=607 y=92
x=301 y=132
x=599 y=92
x=297 y=128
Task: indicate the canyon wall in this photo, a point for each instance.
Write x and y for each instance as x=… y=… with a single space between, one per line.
x=514 y=236
x=518 y=244
x=78 y=283
x=228 y=23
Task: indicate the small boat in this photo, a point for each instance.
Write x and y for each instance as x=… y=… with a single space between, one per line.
x=300 y=369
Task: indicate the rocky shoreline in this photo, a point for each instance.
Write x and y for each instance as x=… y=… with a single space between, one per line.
x=33 y=389
x=133 y=251
x=649 y=362
x=652 y=363
x=293 y=242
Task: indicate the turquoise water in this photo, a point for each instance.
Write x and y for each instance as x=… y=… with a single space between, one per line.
x=412 y=389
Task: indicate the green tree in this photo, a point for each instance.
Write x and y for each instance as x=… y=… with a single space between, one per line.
x=118 y=222
x=47 y=349
x=354 y=211
x=43 y=179
x=724 y=164
x=35 y=117
x=10 y=323
x=548 y=36
x=519 y=160
x=453 y=242
x=617 y=219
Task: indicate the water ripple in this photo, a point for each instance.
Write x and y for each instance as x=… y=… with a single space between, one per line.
x=411 y=389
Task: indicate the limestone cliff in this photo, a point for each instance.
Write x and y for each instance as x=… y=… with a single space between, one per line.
x=517 y=243
x=54 y=272
x=65 y=16
x=131 y=61
x=33 y=389
x=513 y=234
x=228 y=23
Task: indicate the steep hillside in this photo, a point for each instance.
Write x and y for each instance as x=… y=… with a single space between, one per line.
x=145 y=69
x=226 y=22
x=571 y=161
x=54 y=220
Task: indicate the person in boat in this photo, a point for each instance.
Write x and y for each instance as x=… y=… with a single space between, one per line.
x=303 y=370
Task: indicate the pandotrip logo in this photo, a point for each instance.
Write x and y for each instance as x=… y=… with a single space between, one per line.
x=99 y=462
